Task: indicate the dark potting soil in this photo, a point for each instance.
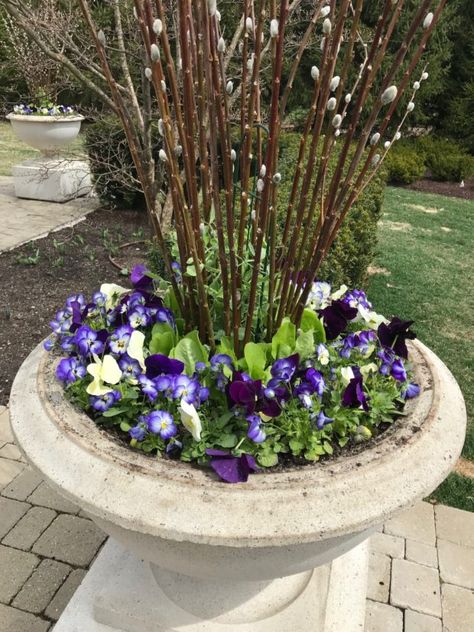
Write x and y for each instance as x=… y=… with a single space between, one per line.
x=36 y=279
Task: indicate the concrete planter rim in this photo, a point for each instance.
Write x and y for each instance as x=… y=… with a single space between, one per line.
x=176 y=502
x=36 y=118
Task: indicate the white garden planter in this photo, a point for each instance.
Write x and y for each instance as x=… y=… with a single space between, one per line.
x=253 y=557
x=49 y=177
x=49 y=134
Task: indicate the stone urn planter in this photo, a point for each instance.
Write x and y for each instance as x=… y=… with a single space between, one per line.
x=284 y=552
x=49 y=134
x=49 y=177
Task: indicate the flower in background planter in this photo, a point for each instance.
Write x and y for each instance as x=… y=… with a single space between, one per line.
x=102 y=403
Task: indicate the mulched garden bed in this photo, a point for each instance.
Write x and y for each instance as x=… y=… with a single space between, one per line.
x=451 y=189
x=36 y=279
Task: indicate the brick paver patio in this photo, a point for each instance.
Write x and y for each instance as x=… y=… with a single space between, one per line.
x=421 y=576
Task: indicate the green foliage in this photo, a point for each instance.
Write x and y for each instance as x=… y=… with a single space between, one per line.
x=404 y=164
x=354 y=248
x=447 y=160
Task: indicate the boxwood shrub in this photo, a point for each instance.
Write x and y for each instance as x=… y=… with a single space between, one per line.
x=405 y=164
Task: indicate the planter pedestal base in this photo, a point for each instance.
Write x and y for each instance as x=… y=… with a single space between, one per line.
x=122 y=593
x=52 y=179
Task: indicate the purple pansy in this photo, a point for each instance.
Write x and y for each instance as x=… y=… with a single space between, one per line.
x=139 y=431
x=395 y=334
x=336 y=316
x=118 y=341
x=90 y=341
x=101 y=403
x=232 y=469
x=316 y=379
x=220 y=361
x=161 y=422
x=398 y=371
x=139 y=317
x=158 y=364
x=245 y=393
x=285 y=368
x=410 y=391
x=140 y=277
x=255 y=432
x=354 y=395
x=186 y=388
x=130 y=367
x=148 y=387
x=69 y=370
x=322 y=420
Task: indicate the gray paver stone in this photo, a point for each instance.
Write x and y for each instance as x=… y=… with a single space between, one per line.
x=415 y=586
x=379 y=577
x=25 y=533
x=417 y=622
x=13 y=620
x=455 y=525
x=70 y=539
x=10 y=513
x=41 y=586
x=456 y=564
x=416 y=523
x=458 y=609
x=23 y=485
x=380 y=617
x=9 y=470
x=46 y=497
x=16 y=566
x=6 y=435
x=64 y=594
x=388 y=545
x=10 y=451
x=421 y=553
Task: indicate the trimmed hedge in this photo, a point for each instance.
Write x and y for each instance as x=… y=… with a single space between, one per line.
x=404 y=164
x=446 y=159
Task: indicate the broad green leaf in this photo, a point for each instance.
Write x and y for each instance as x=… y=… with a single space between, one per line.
x=284 y=341
x=310 y=321
x=305 y=344
x=227 y=347
x=162 y=338
x=190 y=350
x=328 y=448
x=267 y=460
x=124 y=426
x=296 y=446
x=171 y=302
x=256 y=358
x=227 y=441
x=113 y=412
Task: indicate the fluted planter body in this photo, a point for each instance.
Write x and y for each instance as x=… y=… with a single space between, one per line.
x=49 y=134
x=281 y=552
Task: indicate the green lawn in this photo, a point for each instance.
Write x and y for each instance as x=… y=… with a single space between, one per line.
x=424 y=272
x=13 y=150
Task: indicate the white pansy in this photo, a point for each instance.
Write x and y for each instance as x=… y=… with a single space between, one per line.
x=105 y=371
x=367 y=369
x=190 y=419
x=428 y=20
x=371 y=318
x=320 y=295
x=335 y=81
x=331 y=104
x=347 y=374
x=335 y=296
x=274 y=28
x=323 y=354
x=158 y=26
x=112 y=293
x=389 y=95
x=135 y=347
x=315 y=73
